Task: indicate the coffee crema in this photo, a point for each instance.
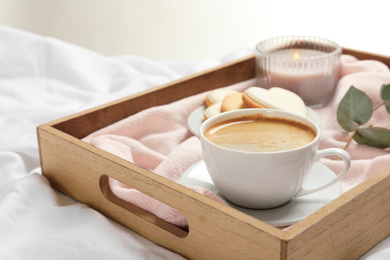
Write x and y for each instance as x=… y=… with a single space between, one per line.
x=259 y=133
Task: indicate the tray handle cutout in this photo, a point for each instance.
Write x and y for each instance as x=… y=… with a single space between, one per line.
x=110 y=196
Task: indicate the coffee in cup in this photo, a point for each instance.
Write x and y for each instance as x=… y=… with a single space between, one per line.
x=259 y=133
x=260 y=158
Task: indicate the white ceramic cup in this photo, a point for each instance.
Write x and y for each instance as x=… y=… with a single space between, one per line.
x=262 y=180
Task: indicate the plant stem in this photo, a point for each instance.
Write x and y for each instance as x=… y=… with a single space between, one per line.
x=378 y=106
x=349 y=140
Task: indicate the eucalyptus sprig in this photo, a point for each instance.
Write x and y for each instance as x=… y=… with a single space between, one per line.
x=355 y=110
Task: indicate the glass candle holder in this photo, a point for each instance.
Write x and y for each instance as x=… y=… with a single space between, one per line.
x=308 y=66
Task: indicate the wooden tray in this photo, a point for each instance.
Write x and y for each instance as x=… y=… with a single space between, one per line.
x=345 y=228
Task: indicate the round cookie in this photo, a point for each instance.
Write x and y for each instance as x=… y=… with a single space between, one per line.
x=232 y=101
x=250 y=102
x=212 y=110
x=217 y=95
x=277 y=98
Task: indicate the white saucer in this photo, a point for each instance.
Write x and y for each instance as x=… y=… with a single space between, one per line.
x=297 y=209
x=196 y=118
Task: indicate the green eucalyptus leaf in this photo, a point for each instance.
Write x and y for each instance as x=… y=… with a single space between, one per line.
x=385 y=94
x=355 y=109
x=373 y=136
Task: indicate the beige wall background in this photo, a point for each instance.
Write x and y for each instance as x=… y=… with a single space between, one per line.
x=198 y=29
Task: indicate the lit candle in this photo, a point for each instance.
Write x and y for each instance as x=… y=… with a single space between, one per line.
x=309 y=67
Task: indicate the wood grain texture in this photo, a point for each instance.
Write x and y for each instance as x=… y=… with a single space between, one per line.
x=345 y=228
x=367 y=56
x=84 y=123
x=75 y=169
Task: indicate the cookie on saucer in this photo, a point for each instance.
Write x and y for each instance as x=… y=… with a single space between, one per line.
x=212 y=110
x=277 y=98
x=232 y=101
x=217 y=95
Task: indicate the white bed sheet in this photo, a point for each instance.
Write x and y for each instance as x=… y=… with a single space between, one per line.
x=42 y=79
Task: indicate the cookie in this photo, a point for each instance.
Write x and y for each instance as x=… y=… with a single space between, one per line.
x=217 y=95
x=277 y=98
x=232 y=101
x=212 y=110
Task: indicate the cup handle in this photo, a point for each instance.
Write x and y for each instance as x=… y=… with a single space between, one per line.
x=325 y=152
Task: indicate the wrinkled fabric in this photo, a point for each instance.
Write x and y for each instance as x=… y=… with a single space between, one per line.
x=43 y=79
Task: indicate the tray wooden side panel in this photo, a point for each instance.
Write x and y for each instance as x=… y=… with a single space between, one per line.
x=84 y=123
x=215 y=230
x=367 y=56
x=81 y=124
x=347 y=227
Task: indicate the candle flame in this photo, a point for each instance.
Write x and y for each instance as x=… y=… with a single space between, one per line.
x=297 y=56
